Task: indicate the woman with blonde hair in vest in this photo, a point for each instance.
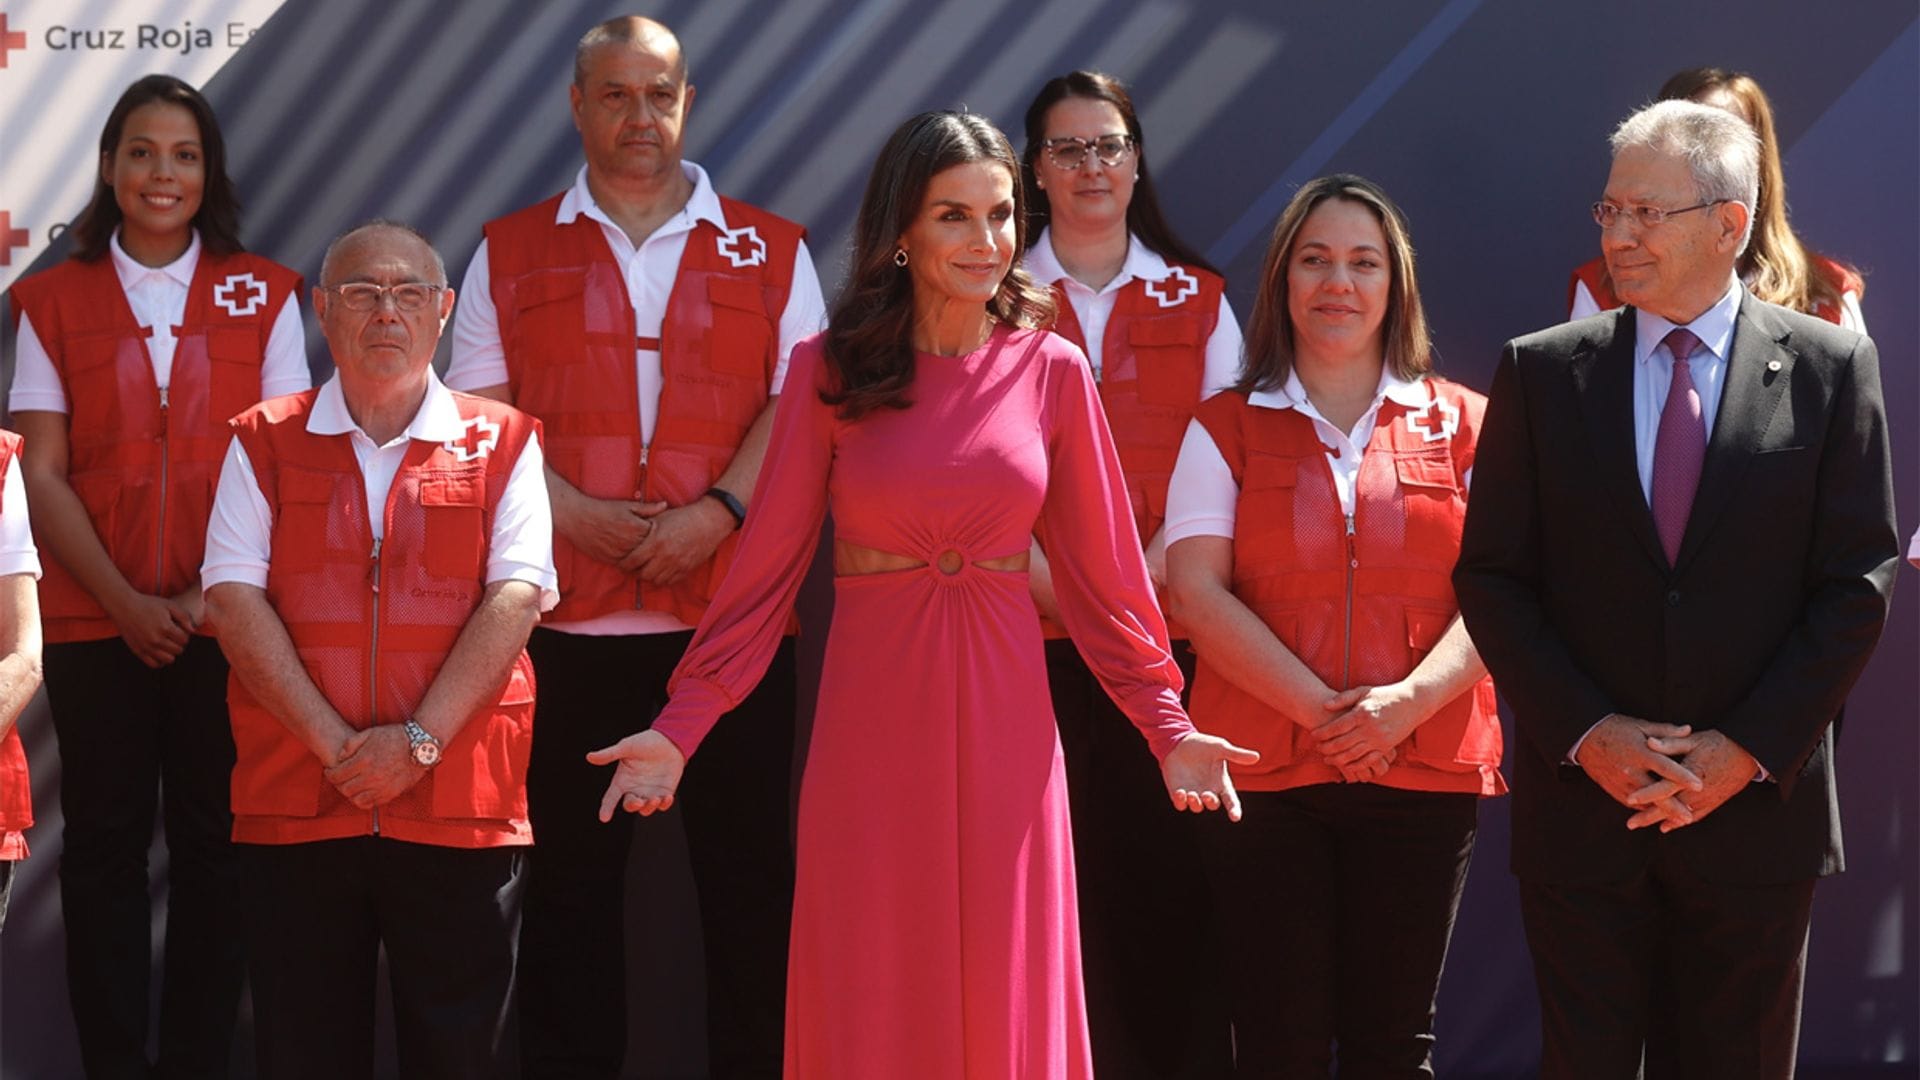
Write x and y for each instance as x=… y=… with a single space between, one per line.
x=1151 y=315
x=1313 y=522
x=1776 y=266
x=132 y=355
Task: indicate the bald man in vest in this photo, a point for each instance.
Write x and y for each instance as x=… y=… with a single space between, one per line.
x=378 y=551
x=647 y=322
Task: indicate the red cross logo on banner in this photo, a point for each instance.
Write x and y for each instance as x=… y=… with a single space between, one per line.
x=477 y=436
x=1184 y=285
x=241 y=295
x=10 y=237
x=1437 y=419
x=10 y=39
x=743 y=247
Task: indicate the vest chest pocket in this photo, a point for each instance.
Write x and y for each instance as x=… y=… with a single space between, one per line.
x=454 y=511
x=740 y=342
x=549 y=313
x=1433 y=501
x=302 y=524
x=233 y=372
x=1166 y=357
x=1265 y=507
x=91 y=373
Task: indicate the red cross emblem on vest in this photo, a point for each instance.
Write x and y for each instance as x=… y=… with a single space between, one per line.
x=743 y=246
x=1183 y=286
x=477 y=436
x=1437 y=419
x=241 y=295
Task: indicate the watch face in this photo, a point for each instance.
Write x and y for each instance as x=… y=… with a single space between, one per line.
x=426 y=753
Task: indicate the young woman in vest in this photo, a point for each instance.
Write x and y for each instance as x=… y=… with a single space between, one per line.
x=1312 y=526
x=934 y=932
x=19 y=660
x=132 y=355
x=1150 y=315
x=1777 y=267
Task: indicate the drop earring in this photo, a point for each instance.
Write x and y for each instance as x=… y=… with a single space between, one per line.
x=899 y=256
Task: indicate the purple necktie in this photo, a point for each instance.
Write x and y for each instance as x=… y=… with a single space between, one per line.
x=1680 y=447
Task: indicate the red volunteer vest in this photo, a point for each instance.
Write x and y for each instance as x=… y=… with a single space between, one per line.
x=1359 y=608
x=16 y=788
x=373 y=625
x=1600 y=285
x=568 y=331
x=143 y=464
x=1153 y=367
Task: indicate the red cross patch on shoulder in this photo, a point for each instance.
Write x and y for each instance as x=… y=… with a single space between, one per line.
x=1437 y=419
x=1173 y=290
x=743 y=246
x=477 y=436
x=240 y=295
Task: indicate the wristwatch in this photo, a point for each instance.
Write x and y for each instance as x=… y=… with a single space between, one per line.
x=426 y=748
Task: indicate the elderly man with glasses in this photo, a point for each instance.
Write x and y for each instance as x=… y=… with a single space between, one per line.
x=1677 y=559
x=379 y=549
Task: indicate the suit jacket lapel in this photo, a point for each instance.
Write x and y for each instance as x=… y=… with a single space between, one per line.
x=1603 y=383
x=1747 y=403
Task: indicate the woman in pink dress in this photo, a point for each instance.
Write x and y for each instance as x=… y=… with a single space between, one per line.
x=934 y=930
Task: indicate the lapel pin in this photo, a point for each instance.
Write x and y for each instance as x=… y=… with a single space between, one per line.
x=1773 y=365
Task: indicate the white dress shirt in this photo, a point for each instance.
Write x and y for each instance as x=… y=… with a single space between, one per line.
x=649 y=271
x=1094 y=309
x=520 y=547
x=158 y=298
x=1653 y=372
x=1202 y=498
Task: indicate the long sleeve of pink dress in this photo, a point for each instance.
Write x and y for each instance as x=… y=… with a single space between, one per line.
x=934 y=927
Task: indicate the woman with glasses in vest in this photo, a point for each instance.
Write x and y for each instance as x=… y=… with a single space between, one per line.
x=1151 y=316
x=132 y=355
x=934 y=932
x=1776 y=266
x=1313 y=523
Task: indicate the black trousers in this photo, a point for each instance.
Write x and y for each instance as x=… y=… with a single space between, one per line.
x=1337 y=901
x=1155 y=1004
x=1668 y=975
x=132 y=738
x=318 y=915
x=736 y=797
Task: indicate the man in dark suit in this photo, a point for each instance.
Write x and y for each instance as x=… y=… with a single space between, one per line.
x=1677 y=559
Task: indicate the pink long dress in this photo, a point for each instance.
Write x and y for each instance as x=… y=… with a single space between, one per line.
x=934 y=929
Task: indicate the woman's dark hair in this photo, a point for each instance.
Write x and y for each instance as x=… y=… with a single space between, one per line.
x=1778 y=267
x=1144 y=218
x=1269 y=354
x=869 y=348
x=218 y=218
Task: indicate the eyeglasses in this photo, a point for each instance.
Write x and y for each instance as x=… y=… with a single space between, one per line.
x=1070 y=153
x=1606 y=213
x=365 y=296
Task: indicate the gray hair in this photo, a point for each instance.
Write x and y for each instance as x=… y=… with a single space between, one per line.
x=380 y=225
x=1721 y=150
x=627 y=30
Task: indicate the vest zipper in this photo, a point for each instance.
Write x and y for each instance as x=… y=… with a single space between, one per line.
x=1353 y=563
x=373 y=658
x=640 y=495
x=160 y=530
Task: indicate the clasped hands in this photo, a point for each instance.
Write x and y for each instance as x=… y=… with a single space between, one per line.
x=375 y=766
x=1361 y=729
x=657 y=543
x=1667 y=774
